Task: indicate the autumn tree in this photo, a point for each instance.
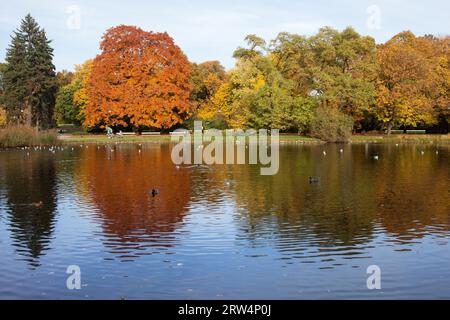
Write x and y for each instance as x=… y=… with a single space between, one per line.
x=72 y=100
x=257 y=95
x=229 y=106
x=139 y=79
x=206 y=79
x=407 y=81
x=64 y=78
x=441 y=78
x=29 y=77
x=81 y=82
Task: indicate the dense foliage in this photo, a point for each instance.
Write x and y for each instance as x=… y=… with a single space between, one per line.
x=326 y=85
x=403 y=83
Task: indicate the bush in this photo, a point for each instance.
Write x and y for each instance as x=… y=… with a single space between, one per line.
x=24 y=136
x=331 y=125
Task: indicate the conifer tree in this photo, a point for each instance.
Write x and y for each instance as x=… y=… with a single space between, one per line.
x=29 y=79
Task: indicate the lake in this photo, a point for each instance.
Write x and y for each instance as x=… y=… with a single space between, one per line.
x=225 y=231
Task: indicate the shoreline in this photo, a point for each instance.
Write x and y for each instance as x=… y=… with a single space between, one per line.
x=356 y=139
x=69 y=139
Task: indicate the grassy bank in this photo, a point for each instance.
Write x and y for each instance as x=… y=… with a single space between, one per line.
x=159 y=138
x=73 y=139
x=411 y=139
x=23 y=136
x=417 y=139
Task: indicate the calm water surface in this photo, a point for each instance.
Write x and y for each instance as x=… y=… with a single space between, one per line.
x=225 y=232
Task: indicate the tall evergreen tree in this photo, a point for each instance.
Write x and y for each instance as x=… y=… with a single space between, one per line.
x=29 y=79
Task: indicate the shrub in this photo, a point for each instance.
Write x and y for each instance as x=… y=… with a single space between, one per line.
x=24 y=136
x=2 y=116
x=331 y=125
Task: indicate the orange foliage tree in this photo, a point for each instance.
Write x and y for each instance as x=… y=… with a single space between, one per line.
x=140 y=79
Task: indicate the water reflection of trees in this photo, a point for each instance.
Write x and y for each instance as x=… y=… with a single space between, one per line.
x=357 y=198
x=29 y=182
x=118 y=180
x=412 y=191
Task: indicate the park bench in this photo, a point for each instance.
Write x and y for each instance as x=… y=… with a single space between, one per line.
x=151 y=133
x=416 y=131
x=179 y=134
x=395 y=132
x=128 y=134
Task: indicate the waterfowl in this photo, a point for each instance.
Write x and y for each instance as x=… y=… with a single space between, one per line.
x=154 y=192
x=376 y=157
x=313 y=180
x=37 y=204
x=324 y=153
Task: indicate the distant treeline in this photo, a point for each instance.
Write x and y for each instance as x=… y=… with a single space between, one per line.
x=142 y=80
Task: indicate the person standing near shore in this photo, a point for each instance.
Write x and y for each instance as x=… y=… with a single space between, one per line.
x=109 y=132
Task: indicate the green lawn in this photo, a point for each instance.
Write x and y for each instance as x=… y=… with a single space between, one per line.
x=104 y=139
x=283 y=138
x=419 y=139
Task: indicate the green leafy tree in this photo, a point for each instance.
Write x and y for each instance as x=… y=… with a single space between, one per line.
x=29 y=79
x=338 y=68
x=65 y=110
x=257 y=95
x=256 y=47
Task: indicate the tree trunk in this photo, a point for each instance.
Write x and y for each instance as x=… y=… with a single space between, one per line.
x=389 y=130
x=30 y=113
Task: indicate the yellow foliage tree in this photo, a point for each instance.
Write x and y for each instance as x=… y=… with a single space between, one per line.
x=406 y=83
x=224 y=107
x=80 y=97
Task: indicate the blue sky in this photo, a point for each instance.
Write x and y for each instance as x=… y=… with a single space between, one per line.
x=212 y=30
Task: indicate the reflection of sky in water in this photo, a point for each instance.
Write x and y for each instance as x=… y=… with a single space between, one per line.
x=226 y=232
